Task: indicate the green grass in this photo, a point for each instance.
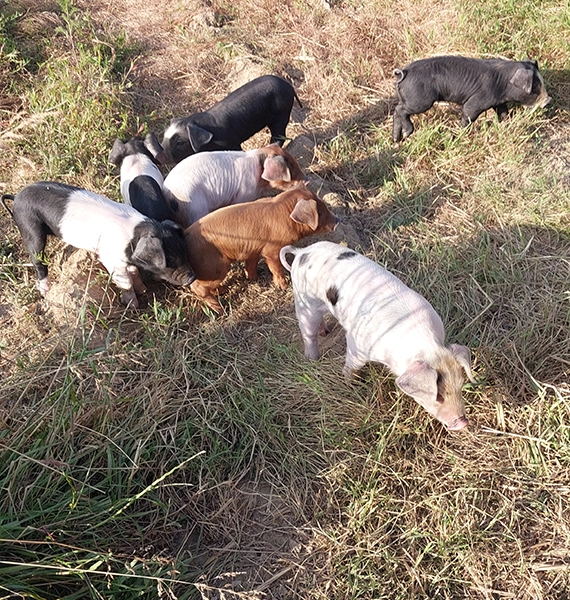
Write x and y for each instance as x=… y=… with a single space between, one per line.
x=172 y=453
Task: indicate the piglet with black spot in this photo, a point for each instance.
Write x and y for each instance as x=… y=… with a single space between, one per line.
x=384 y=321
x=263 y=102
x=477 y=84
x=123 y=239
x=141 y=179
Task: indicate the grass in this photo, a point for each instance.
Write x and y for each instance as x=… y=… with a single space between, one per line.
x=171 y=453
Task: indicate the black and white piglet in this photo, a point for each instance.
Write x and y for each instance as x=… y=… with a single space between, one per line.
x=141 y=179
x=263 y=102
x=477 y=84
x=122 y=238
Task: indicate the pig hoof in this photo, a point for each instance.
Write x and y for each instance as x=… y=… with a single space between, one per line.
x=280 y=282
x=349 y=373
x=323 y=330
x=129 y=299
x=214 y=305
x=43 y=287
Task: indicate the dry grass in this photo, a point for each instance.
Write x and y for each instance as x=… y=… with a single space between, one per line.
x=172 y=445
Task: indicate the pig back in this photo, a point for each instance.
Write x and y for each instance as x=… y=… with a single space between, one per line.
x=207 y=181
x=386 y=319
x=94 y=222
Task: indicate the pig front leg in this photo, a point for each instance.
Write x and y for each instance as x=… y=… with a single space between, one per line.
x=137 y=282
x=354 y=358
x=471 y=111
x=502 y=111
x=204 y=290
x=121 y=277
x=402 y=124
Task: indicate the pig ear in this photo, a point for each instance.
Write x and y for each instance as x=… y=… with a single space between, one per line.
x=275 y=169
x=172 y=225
x=117 y=152
x=463 y=357
x=523 y=80
x=152 y=144
x=305 y=212
x=198 y=136
x=149 y=254
x=420 y=382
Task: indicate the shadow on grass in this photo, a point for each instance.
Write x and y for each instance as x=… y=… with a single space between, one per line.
x=557 y=83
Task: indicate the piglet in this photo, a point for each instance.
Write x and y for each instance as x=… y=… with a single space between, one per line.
x=247 y=232
x=263 y=102
x=384 y=321
x=207 y=181
x=123 y=239
x=141 y=179
x=477 y=84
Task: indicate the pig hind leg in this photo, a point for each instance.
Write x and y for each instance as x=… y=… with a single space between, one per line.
x=251 y=267
x=278 y=127
x=403 y=126
x=310 y=318
x=276 y=268
x=35 y=238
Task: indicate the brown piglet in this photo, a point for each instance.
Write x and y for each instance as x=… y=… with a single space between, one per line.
x=247 y=232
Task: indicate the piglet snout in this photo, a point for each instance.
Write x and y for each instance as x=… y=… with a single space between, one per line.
x=181 y=277
x=458 y=424
x=191 y=278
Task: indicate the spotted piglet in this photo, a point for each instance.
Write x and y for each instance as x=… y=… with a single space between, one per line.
x=384 y=321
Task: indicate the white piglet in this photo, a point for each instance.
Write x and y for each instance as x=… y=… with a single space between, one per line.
x=207 y=181
x=384 y=321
